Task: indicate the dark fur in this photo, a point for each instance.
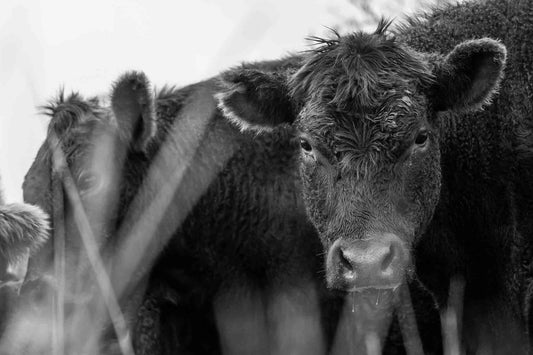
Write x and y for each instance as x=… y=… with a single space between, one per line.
x=482 y=227
x=473 y=188
x=244 y=94
x=355 y=71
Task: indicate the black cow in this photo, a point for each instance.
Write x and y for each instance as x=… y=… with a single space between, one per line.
x=397 y=170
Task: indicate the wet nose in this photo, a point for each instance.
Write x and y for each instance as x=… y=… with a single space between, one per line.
x=377 y=262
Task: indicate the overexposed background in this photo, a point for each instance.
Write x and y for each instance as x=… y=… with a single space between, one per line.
x=85 y=45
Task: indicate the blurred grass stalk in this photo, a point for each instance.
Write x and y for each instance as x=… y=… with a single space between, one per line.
x=451 y=318
x=89 y=242
x=58 y=216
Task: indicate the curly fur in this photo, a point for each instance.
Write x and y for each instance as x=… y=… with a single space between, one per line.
x=23 y=227
x=357 y=70
x=482 y=226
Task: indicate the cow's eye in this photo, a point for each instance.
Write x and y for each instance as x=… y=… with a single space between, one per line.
x=421 y=138
x=306 y=146
x=88 y=181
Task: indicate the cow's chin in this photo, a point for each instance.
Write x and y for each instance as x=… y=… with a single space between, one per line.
x=382 y=298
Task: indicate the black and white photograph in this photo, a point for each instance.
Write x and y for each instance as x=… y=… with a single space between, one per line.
x=266 y=177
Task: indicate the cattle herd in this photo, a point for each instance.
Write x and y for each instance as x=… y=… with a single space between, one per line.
x=373 y=194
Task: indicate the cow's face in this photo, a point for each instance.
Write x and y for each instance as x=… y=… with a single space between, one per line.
x=78 y=174
x=74 y=122
x=366 y=111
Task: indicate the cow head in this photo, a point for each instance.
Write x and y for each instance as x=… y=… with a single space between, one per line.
x=78 y=177
x=88 y=147
x=366 y=111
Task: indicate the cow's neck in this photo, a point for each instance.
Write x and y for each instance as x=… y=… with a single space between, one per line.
x=474 y=232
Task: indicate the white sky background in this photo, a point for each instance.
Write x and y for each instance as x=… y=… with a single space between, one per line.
x=85 y=45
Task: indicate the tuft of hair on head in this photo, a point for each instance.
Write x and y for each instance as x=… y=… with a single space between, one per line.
x=133 y=104
x=383 y=26
x=23 y=227
x=67 y=111
x=355 y=69
x=167 y=92
x=323 y=44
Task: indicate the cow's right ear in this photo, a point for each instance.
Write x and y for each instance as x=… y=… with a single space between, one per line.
x=255 y=100
x=132 y=102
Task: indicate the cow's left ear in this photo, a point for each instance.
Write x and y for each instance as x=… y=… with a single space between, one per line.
x=132 y=102
x=469 y=75
x=255 y=100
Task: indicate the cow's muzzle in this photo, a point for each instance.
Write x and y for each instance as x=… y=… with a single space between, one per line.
x=378 y=262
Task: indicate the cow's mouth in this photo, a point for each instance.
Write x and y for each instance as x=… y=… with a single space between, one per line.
x=371 y=298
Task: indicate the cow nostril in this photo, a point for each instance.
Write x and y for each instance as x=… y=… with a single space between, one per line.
x=344 y=261
x=389 y=257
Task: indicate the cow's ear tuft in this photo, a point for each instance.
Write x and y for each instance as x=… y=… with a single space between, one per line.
x=469 y=76
x=132 y=102
x=255 y=100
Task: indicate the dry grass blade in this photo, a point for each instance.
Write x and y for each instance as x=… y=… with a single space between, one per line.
x=451 y=318
x=59 y=263
x=88 y=239
x=408 y=325
x=373 y=346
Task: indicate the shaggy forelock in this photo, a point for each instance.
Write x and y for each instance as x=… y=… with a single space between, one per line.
x=67 y=112
x=359 y=70
x=365 y=143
